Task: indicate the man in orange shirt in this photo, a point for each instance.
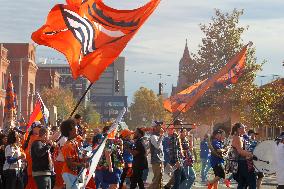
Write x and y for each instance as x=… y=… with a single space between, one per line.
x=72 y=162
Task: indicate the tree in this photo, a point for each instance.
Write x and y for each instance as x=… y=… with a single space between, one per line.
x=146 y=107
x=267 y=106
x=221 y=42
x=90 y=116
x=61 y=98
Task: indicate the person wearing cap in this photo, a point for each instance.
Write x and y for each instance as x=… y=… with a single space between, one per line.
x=32 y=136
x=243 y=176
x=157 y=154
x=128 y=145
x=279 y=160
x=252 y=144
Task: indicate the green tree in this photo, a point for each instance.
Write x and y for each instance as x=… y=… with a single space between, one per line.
x=61 y=98
x=221 y=42
x=146 y=107
x=267 y=106
x=90 y=116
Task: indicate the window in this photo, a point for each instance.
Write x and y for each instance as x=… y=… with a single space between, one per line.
x=31 y=89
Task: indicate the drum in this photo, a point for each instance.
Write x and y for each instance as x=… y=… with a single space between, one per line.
x=264 y=160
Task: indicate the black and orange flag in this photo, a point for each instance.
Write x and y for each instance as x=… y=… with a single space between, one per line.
x=229 y=74
x=90 y=34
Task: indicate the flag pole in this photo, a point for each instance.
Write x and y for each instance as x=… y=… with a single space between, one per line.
x=82 y=97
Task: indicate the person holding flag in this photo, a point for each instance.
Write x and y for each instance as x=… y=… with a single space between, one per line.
x=72 y=162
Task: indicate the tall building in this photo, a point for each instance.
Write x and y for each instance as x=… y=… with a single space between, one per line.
x=102 y=96
x=182 y=80
x=105 y=98
x=184 y=61
x=23 y=70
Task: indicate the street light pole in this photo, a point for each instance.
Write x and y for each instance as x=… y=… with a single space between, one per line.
x=20 y=87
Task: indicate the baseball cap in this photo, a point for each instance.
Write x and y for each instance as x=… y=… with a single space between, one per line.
x=35 y=124
x=125 y=133
x=157 y=123
x=251 y=131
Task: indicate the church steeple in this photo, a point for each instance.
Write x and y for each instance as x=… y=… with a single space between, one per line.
x=183 y=63
x=186 y=51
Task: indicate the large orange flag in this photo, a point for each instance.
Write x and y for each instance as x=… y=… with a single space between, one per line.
x=90 y=34
x=229 y=74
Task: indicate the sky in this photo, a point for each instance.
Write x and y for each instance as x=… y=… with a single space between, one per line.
x=158 y=46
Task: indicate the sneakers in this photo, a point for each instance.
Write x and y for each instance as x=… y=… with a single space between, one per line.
x=209 y=185
x=227 y=182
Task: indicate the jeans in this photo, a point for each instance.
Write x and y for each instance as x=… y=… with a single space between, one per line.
x=43 y=182
x=205 y=166
x=179 y=177
x=189 y=177
x=245 y=178
x=145 y=174
x=70 y=181
x=99 y=180
x=13 y=179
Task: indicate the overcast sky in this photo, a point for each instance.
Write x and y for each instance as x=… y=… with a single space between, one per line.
x=158 y=46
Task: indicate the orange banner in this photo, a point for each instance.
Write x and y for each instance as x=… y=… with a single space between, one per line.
x=229 y=74
x=90 y=34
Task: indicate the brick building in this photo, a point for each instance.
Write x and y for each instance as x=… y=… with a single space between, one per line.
x=46 y=79
x=23 y=70
x=4 y=63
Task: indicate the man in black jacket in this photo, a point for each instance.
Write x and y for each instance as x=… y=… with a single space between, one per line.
x=42 y=165
x=139 y=160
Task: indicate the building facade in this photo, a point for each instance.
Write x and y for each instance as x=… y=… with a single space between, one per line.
x=47 y=79
x=4 y=63
x=102 y=91
x=23 y=70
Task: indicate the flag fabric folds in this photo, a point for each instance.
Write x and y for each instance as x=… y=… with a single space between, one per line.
x=10 y=107
x=40 y=112
x=229 y=74
x=90 y=34
x=97 y=155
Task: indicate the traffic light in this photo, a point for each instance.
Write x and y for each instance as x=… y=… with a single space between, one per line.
x=116 y=86
x=160 y=88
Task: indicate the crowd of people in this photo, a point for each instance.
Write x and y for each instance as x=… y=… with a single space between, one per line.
x=52 y=157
